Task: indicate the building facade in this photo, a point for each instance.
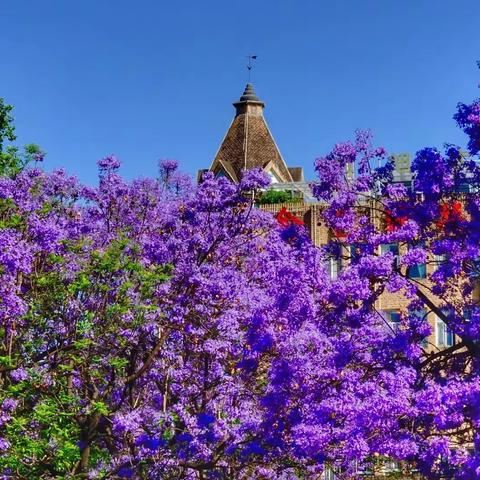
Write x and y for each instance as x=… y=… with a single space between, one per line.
x=249 y=144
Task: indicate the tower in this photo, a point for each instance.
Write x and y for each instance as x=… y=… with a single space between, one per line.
x=249 y=144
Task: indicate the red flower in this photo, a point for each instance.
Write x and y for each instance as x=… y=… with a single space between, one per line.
x=393 y=222
x=450 y=212
x=285 y=218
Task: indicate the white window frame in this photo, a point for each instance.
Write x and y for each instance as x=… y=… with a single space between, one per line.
x=334 y=267
x=443 y=338
x=328 y=474
x=391 y=466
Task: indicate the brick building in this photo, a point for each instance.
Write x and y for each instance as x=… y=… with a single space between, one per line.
x=249 y=143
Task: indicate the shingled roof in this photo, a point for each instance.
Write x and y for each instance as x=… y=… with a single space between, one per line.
x=249 y=144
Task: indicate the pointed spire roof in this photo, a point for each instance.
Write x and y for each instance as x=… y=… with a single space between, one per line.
x=248 y=143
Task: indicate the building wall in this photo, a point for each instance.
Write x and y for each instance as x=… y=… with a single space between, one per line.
x=310 y=213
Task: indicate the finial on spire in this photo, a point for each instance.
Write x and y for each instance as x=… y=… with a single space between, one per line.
x=249 y=94
x=249 y=102
x=249 y=66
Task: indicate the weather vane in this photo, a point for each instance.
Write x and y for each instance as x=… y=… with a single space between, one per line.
x=249 y=66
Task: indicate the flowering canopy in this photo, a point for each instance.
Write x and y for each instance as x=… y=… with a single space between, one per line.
x=153 y=329
x=156 y=330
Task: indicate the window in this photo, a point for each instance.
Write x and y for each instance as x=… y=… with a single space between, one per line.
x=444 y=336
x=473 y=268
x=422 y=315
x=350 y=171
x=391 y=466
x=392 y=317
x=334 y=267
x=418 y=270
x=471 y=313
x=359 y=250
x=333 y=253
x=440 y=260
x=328 y=474
x=464 y=187
x=356 y=253
x=391 y=248
x=425 y=343
x=363 y=468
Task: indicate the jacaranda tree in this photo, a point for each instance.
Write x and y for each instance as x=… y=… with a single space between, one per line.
x=154 y=329
x=434 y=221
x=151 y=329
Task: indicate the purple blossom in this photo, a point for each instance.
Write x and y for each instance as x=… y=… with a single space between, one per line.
x=9 y=404
x=38 y=156
x=254 y=179
x=168 y=166
x=4 y=444
x=414 y=256
x=19 y=375
x=150 y=443
x=396 y=191
x=109 y=164
x=205 y=419
x=444 y=223
x=468 y=118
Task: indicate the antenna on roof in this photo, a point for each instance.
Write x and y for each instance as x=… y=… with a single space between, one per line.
x=478 y=65
x=249 y=66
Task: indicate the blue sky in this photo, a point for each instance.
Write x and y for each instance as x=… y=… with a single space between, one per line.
x=155 y=79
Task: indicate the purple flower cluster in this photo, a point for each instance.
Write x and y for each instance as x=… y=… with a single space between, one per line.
x=109 y=164
x=468 y=118
x=435 y=223
x=182 y=328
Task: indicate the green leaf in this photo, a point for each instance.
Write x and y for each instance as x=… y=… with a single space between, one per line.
x=100 y=407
